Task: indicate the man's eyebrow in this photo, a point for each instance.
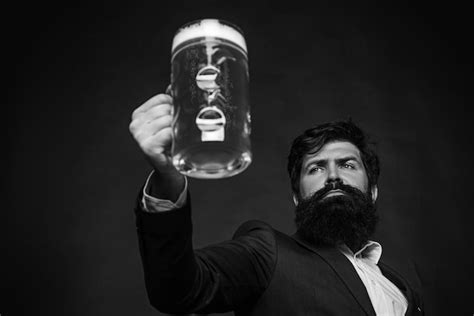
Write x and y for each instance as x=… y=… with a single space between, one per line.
x=347 y=158
x=316 y=161
x=323 y=161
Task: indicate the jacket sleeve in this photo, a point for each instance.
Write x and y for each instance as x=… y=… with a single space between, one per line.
x=227 y=276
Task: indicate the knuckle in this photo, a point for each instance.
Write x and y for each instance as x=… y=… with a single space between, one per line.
x=136 y=112
x=139 y=137
x=134 y=126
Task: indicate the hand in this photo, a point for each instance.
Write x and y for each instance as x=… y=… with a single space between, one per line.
x=151 y=128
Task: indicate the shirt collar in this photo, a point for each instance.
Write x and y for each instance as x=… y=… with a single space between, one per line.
x=371 y=251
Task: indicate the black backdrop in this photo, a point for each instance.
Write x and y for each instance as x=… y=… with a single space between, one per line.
x=72 y=171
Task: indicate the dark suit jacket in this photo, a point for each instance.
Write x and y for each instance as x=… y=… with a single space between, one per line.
x=261 y=271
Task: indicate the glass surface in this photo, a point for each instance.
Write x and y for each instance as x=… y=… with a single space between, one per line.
x=209 y=85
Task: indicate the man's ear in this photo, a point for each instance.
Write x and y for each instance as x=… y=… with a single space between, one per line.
x=295 y=199
x=374 y=192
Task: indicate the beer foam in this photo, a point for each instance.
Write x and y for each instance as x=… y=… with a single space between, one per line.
x=208 y=28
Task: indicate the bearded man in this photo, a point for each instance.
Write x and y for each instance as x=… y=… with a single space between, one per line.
x=328 y=267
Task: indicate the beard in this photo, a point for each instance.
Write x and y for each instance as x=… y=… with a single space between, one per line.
x=349 y=218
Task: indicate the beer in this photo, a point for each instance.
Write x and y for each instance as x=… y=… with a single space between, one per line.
x=209 y=85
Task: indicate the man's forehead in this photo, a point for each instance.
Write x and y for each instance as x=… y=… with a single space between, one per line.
x=335 y=149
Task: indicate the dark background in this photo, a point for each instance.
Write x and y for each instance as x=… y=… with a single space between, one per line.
x=75 y=73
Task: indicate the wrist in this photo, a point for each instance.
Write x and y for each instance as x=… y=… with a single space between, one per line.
x=166 y=185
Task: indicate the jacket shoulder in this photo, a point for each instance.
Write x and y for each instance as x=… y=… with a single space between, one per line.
x=253 y=227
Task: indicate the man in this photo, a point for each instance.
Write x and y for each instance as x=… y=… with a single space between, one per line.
x=328 y=267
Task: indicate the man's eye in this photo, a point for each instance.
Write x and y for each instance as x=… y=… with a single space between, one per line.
x=314 y=169
x=348 y=166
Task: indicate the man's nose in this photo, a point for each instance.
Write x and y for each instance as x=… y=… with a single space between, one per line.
x=333 y=176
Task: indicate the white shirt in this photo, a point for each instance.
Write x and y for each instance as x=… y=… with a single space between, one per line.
x=386 y=298
x=154 y=205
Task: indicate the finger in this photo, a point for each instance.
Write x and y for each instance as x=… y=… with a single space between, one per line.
x=168 y=90
x=143 y=124
x=157 y=112
x=154 y=101
x=152 y=113
x=161 y=123
x=159 y=143
x=151 y=128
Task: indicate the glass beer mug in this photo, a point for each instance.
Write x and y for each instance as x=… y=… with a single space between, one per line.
x=209 y=85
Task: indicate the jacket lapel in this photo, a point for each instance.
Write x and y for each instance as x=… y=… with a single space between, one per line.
x=345 y=270
x=403 y=285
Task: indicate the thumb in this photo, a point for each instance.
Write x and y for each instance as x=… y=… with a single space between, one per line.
x=168 y=90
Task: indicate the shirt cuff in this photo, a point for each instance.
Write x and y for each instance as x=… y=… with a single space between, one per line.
x=152 y=204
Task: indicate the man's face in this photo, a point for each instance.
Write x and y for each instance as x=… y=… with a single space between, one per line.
x=335 y=160
x=335 y=204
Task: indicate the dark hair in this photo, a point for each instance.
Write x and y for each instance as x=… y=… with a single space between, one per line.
x=313 y=139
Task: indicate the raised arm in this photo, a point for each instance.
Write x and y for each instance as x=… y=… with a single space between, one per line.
x=151 y=128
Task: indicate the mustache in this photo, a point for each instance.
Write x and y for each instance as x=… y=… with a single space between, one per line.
x=335 y=185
